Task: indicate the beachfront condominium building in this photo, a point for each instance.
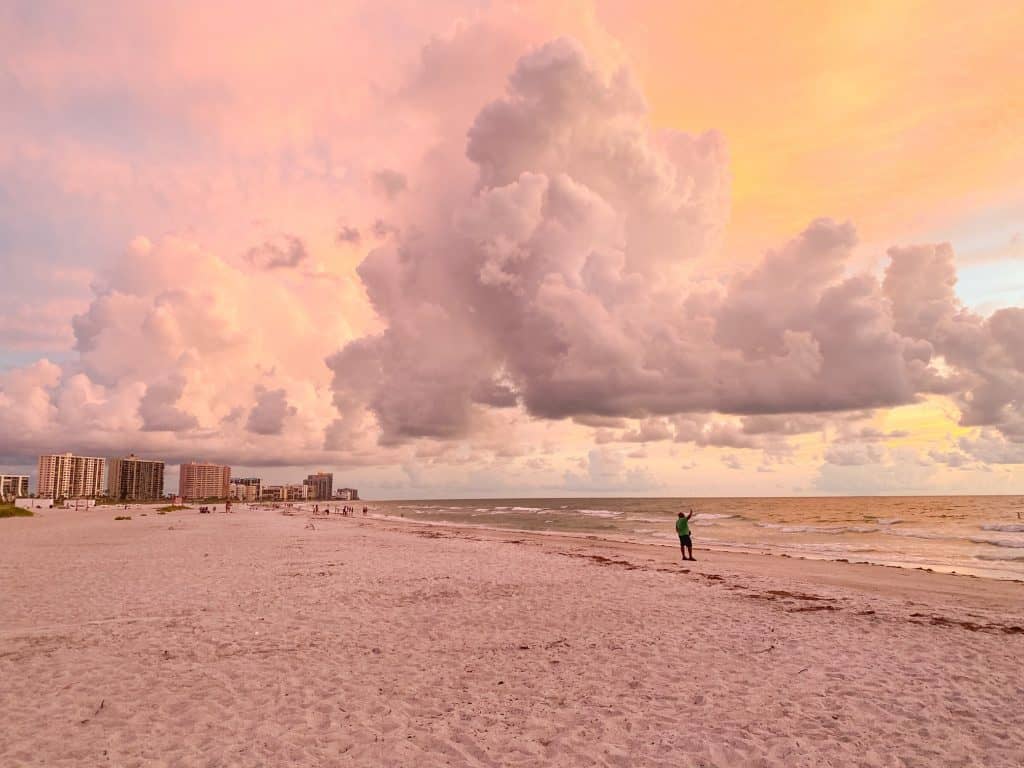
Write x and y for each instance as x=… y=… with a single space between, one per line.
x=320 y=484
x=135 y=479
x=273 y=493
x=297 y=492
x=13 y=487
x=286 y=492
x=246 y=488
x=204 y=481
x=348 y=494
x=66 y=476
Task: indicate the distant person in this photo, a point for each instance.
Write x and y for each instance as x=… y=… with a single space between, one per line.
x=683 y=529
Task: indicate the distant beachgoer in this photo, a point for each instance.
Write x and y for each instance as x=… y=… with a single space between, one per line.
x=683 y=529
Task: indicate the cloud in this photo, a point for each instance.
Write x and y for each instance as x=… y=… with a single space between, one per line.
x=991 y=447
x=349 y=235
x=987 y=379
x=854 y=454
x=389 y=183
x=732 y=461
x=268 y=415
x=562 y=271
x=177 y=353
x=899 y=471
x=606 y=471
x=159 y=407
x=283 y=252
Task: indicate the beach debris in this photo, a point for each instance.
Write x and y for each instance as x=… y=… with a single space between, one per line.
x=808 y=608
x=942 y=621
x=765 y=650
x=102 y=702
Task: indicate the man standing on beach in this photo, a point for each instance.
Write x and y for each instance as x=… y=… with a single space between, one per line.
x=683 y=529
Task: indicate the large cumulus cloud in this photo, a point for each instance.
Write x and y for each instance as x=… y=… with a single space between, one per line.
x=562 y=280
x=184 y=354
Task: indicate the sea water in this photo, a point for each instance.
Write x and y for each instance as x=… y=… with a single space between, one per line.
x=977 y=535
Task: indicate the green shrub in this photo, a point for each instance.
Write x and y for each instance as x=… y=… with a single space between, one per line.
x=9 y=510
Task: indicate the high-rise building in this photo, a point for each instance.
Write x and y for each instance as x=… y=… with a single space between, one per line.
x=246 y=488
x=66 y=476
x=13 y=487
x=320 y=484
x=348 y=494
x=204 y=481
x=135 y=479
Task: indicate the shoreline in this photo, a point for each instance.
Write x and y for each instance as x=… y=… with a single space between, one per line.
x=965 y=536
x=867 y=578
x=738 y=550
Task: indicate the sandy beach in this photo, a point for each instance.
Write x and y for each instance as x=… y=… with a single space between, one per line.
x=260 y=639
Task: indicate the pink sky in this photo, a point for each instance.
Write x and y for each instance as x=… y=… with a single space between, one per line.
x=472 y=249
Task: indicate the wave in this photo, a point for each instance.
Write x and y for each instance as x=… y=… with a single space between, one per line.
x=888 y=520
x=1003 y=527
x=834 y=530
x=712 y=516
x=598 y=512
x=528 y=509
x=1007 y=558
x=912 y=534
x=827 y=549
x=1012 y=543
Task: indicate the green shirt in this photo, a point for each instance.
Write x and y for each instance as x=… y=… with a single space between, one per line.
x=682 y=526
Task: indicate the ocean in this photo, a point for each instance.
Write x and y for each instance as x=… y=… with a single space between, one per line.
x=977 y=535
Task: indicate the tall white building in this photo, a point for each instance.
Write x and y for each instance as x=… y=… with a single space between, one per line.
x=13 y=487
x=66 y=476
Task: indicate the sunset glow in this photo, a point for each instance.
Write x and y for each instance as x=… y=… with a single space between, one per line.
x=461 y=249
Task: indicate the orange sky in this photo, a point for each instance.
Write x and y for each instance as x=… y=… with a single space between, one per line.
x=897 y=115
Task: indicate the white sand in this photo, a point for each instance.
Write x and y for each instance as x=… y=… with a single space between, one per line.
x=252 y=640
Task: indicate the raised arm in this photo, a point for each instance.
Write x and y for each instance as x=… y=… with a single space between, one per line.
x=689 y=515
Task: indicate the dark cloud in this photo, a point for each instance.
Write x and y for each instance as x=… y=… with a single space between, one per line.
x=349 y=235
x=268 y=416
x=389 y=183
x=282 y=252
x=159 y=409
x=382 y=229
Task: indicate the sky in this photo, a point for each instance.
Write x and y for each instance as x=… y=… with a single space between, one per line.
x=479 y=249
